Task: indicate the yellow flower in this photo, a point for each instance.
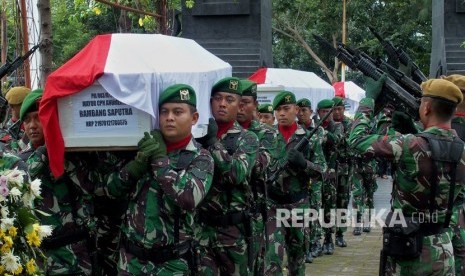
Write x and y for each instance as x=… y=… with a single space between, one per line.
x=5 y=249
x=31 y=266
x=36 y=227
x=8 y=240
x=18 y=270
x=13 y=231
x=2 y=269
x=33 y=239
x=97 y=10
x=2 y=233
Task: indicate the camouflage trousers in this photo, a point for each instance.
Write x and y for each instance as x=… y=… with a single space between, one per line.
x=224 y=250
x=315 y=230
x=258 y=228
x=436 y=259
x=342 y=200
x=457 y=231
x=364 y=187
x=294 y=238
x=329 y=204
x=129 y=264
x=274 y=249
x=72 y=259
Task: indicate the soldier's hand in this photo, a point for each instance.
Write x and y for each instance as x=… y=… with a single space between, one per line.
x=373 y=87
x=209 y=138
x=135 y=169
x=152 y=146
x=403 y=123
x=296 y=158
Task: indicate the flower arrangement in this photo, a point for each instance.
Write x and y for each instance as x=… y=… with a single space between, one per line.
x=20 y=231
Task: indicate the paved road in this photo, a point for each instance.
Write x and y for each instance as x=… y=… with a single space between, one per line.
x=361 y=256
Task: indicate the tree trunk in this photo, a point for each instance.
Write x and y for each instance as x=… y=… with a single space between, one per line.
x=46 y=43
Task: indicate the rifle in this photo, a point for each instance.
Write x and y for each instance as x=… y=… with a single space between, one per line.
x=15 y=129
x=407 y=83
x=399 y=55
x=299 y=146
x=393 y=93
x=9 y=68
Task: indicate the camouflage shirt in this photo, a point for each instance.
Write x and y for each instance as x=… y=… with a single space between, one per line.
x=412 y=157
x=294 y=180
x=173 y=189
x=235 y=155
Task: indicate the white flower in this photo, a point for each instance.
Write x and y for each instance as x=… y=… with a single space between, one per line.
x=35 y=187
x=44 y=231
x=10 y=262
x=15 y=194
x=4 y=212
x=16 y=177
x=6 y=223
x=28 y=199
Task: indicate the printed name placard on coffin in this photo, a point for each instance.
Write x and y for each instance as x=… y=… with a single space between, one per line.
x=93 y=118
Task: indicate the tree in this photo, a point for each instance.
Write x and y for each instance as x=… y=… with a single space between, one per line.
x=46 y=43
x=402 y=22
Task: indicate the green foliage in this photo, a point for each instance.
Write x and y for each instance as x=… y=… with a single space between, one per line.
x=406 y=24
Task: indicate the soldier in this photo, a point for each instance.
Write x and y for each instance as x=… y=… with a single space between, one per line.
x=265 y=114
x=169 y=177
x=343 y=166
x=270 y=142
x=291 y=188
x=305 y=120
x=64 y=206
x=334 y=132
x=430 y=171
x=15 y=97
x=458 y=220
x=225 y=213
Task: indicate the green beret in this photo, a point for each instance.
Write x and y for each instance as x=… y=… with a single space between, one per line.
x=178 y=93
x=249 y=88
x=228 y=85
x=304 y=103
x=30 y=103
x=284 y=97
x=458 y=80
x=17 y=94
x=326 y=103
x=338 y=101
x=444 y=89
x=265 y=108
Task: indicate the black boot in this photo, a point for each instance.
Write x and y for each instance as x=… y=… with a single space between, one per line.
x=314 y=249
x=328 y=246
x=358 y=228
x=340 y=240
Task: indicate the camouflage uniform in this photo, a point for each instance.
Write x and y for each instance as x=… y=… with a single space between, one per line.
x=160 y=218
x=291 y=191
x=224 y=215
x=343 y=168
x=411 y=190
x=270 y=143
x=457 y=223
x=334 y=136
x=364 y=187
x=67 y=202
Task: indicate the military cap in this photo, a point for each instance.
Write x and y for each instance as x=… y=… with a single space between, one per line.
x=304 y=103
x=17 y=94
x=30 y=103
x=228 y=85
x=283 y=97
x=326 y=103
x=265 y=108
x=458 y=80
x=338 y=101
x=444 y=89
x=178 y=93
x=249 y=88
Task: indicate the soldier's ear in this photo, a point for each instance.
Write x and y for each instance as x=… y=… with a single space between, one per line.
x=195 y=118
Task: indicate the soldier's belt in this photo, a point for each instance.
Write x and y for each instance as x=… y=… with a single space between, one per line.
x=58 y=241
x=231 y=218
x=161 y=254
x=288 y=198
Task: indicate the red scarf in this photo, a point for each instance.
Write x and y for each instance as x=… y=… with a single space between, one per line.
x=459 y=114
x=325 y=124
x=246 y=125
x=223 y=128
x=179 y=144
x=287 y=131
